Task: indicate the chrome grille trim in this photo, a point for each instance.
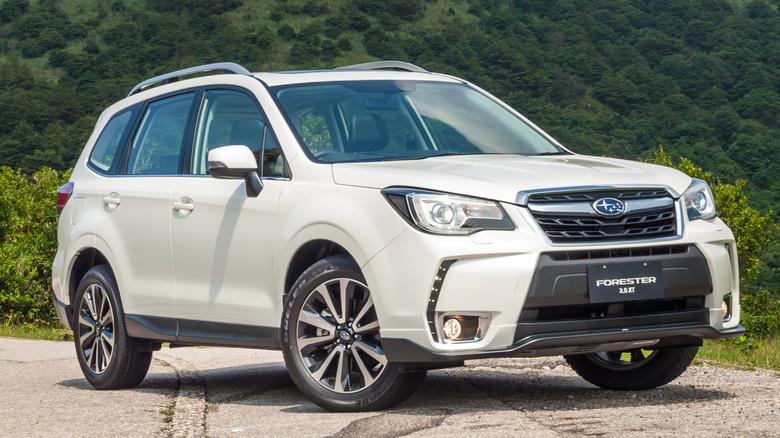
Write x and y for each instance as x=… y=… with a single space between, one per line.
x=524 y=197
x=651 y=214
x=585 y=208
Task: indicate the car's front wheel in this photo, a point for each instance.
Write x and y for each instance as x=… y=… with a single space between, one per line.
x=635 y=369
x=109 y=358
x=332 y=345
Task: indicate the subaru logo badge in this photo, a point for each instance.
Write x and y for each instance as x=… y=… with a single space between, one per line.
x=609 y=207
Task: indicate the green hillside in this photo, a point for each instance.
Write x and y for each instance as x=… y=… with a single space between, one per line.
x=605 y=77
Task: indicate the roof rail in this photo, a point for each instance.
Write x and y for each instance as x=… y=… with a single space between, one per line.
x=226 y=67
x=380 y=65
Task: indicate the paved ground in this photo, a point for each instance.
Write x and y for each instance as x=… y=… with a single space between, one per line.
x=233 y=392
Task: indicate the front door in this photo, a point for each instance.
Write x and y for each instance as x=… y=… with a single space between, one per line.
x=223 y=240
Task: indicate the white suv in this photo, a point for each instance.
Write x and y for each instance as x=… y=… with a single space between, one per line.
x=373 y=222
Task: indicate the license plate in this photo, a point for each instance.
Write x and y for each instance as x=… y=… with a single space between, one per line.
x=615 y=282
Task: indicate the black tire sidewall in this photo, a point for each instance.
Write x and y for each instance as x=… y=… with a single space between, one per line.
x=665 y=366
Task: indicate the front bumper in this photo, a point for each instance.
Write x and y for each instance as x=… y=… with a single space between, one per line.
x=509 y=276
x=64 y=311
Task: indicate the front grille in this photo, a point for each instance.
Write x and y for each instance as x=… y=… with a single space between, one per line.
x=581 y=224
x=621 y=253
x=615 y=310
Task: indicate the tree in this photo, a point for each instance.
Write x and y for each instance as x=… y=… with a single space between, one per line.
x=12 y=9
x=762 y=105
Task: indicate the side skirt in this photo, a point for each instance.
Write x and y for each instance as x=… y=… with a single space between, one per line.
x=182 y=332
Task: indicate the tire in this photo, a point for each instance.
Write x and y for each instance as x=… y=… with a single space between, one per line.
x=331 y=342
x=631 y=370
x=109 y=358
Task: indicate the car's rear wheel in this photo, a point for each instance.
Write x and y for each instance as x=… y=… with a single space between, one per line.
x=635 y=369
x=333 y=348
x=109 y=358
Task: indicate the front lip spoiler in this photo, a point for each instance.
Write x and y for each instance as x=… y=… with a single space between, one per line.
x=686 y=334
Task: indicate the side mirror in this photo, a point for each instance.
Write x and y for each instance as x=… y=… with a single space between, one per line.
x=236 y=162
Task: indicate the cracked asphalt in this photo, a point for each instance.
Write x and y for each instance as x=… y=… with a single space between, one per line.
x=233 y=392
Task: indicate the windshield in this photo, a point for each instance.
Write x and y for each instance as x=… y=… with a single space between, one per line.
x=392 y=120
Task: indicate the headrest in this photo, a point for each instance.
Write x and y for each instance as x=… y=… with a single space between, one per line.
x=368 y=133
x=248 y=132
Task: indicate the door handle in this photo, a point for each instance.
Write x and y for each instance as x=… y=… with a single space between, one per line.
x=112 y=200
x=184 y=206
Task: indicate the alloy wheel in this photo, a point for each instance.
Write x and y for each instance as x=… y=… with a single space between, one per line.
x=337 y=336
x=96 y=329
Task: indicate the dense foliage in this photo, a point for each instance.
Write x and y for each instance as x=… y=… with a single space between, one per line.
x=605 y=77
x=613 y=77
x=28 y=242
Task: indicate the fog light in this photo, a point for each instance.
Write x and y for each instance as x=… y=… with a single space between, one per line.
x=463 y=326
x=451 y=328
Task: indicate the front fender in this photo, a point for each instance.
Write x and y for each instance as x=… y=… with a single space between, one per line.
x=346 y=216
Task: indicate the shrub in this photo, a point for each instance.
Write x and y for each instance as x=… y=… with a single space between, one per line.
x=28 y=242
x=761 y=314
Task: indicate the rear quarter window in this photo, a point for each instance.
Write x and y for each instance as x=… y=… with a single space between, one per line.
x=108 y=147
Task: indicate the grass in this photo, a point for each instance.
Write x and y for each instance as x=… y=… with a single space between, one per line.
x=726 y=352
x=36 y=331
x=167 y=414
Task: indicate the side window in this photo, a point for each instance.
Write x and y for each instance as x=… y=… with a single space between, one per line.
x=104 y=155
x=314 y=132
x=157 y=146
x=227 y=117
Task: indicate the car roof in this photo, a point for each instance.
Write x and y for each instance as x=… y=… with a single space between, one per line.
x=376 y=70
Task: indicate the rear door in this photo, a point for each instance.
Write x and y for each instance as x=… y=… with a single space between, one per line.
x=136 y=210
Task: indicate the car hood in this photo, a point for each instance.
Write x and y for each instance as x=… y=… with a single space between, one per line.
x=502 y=177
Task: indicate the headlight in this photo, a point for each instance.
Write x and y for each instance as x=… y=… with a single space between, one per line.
x=442 y=213
x=698 y=201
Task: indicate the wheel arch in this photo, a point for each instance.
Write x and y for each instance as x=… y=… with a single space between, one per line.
x=85 y=260
x=308 y=254
x=316 y=241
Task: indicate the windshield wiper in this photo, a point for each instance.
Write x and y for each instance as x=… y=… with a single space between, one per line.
x=542 y=154
x=422 y=157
